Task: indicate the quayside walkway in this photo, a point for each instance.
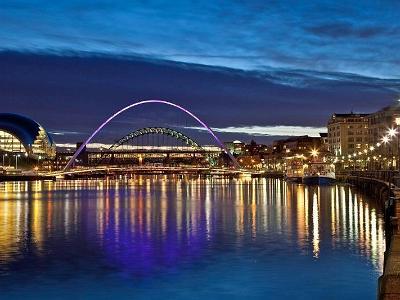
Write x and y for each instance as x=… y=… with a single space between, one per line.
x=386 y=186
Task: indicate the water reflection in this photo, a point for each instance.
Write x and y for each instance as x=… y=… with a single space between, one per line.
x=143 y=224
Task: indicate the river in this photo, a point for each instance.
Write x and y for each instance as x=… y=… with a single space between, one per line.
x=164 y=237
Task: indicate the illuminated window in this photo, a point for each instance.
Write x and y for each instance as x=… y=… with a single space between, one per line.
x=10 y=143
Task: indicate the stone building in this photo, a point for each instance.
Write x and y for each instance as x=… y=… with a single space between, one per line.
x=348 y=133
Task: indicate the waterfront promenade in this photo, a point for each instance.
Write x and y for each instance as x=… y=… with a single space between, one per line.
x=385 y=187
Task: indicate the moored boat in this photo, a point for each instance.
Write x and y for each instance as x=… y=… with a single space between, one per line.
x=319 y=173
x=294 y=170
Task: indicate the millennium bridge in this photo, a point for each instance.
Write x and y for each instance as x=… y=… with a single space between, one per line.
x=150 y=150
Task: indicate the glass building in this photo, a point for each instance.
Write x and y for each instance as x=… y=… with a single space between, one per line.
x=22 y=135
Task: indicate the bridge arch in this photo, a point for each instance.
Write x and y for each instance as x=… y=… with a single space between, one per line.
x=156 y=130
x=77 y=152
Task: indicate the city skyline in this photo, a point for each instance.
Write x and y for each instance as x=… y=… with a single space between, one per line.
x=58 y=70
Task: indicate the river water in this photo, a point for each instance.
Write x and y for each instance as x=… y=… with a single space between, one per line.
x=169 y=238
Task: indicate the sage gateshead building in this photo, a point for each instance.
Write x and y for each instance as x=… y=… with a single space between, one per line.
x=24 y=136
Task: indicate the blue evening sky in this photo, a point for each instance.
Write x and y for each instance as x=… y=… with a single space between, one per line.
x=323 y=55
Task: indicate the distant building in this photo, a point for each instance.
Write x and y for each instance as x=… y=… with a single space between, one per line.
x=379 y=123
x=250 y=161
x=297 y=145
x=348 y=133
x=20 y=135
x=235 y=147
x=324 y=138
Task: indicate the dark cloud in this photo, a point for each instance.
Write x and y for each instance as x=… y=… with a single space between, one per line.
x=343 y=30
x=74 y=94
x=324 y=35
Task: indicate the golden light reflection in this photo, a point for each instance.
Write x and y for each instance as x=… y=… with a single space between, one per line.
x=190 y=207
x=315 y=222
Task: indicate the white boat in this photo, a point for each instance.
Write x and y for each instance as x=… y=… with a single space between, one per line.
x=319 y=173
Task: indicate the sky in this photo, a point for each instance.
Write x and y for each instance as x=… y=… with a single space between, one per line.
x=250 y=69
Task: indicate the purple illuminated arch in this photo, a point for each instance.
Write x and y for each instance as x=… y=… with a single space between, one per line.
x=71 y=161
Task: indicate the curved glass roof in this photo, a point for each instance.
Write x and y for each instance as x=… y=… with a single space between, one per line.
x=25 y=129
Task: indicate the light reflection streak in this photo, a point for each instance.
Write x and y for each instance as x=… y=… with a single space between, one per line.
x=139 y=209
x=315 y=220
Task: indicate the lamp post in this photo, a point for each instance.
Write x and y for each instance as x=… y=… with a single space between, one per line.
x=16 y=161
x=391 y=133
x=385 y=140
x=4 y=155
x=397 y=122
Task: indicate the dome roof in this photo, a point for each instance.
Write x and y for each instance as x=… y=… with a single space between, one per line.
x=25 y=129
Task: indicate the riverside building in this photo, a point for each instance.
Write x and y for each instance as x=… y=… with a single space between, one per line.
x=379 y=123
x=22 y=137
x=348 y=133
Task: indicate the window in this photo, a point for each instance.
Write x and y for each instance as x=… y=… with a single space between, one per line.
x=10 y=143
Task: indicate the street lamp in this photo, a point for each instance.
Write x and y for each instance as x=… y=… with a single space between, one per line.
x=397 y=122
x=314 y=152
x=385 y=139
x=4 y=155
x=392 y=132
x=16 y=161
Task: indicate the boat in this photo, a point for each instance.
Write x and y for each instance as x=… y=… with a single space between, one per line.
x=319 y=173
x=294 y=170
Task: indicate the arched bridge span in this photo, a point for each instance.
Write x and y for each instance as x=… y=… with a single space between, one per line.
x=156 y=130
x=73 y=158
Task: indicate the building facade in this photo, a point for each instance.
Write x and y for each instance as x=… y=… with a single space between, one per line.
x=348 y=133
x=379 y=124
x=23 y=136
x=298 y=145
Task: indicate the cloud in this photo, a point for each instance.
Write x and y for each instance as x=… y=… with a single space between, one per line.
x=278 y=130
x=64 y=132
x=342 y=30
x=235 y=34
x=59 y=92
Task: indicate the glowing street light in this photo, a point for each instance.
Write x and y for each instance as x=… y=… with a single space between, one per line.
x=385 y=139
x=392 y=132
x=314 y=152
